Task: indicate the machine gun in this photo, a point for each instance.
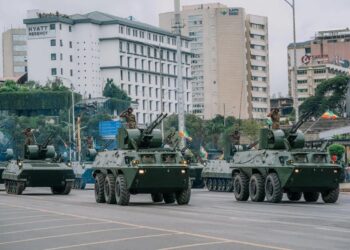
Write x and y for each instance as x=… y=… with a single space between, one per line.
x=40 y=151
x=141 y=138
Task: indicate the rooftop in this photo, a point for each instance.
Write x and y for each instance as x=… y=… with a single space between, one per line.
x=98 y=18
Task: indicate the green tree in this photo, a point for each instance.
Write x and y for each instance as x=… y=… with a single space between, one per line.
x=336 y=149
x=119 y=100
x=329 y=95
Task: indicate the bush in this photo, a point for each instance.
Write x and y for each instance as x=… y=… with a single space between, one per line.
x=336 y=149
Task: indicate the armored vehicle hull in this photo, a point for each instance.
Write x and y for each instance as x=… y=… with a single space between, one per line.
x=2 y=168
x=19 y=175
x=268 y=174
x=196 y=175
x=118 y=174
x=217 y=176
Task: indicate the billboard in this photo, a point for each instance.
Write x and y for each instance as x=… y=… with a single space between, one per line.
x=109 y=129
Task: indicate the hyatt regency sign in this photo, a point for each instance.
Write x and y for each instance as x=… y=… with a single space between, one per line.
x=40 y=31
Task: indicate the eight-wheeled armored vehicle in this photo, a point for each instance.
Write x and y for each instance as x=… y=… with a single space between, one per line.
x=282 y=165
x=141 y=165
x=39 y=168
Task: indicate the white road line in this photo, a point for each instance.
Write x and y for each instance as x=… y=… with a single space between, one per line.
x=54 y=227
x=147 y=227
x=24 y=217
x=110 y=241
x=194 y=245
x=32 y=222
x=14 y=213
x=68 y=235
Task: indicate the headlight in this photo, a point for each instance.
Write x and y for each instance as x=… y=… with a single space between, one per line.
x=135 y=162
x=296 y=171
x=183 y=171
x=335 y=171
x=142 y=171
x=83 y=166
x=69 y=164
x=183 y=162
x=20 y=164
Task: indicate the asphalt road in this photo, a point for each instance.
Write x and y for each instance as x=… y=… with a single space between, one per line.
x=39 y=220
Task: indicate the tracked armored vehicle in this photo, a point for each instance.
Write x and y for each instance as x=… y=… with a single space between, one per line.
x=83 y=171
x=217 y=176
x=282 y=165
x=5 y=157
x=39 y=168
x=141 y=165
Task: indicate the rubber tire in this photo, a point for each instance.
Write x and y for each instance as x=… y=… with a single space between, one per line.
x=82 y=185
x=183 y=197
x=241 y=187
x=311 y=196
x=109 y=189
x=275 y=195
x=122 y=194
x=169 y=198
x=157 y=197
x=331 y=196
x=99 y=188
x=294 y=196
x=257 y=188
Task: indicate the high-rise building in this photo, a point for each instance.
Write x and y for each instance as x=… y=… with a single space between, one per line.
x=323 y=57
x=86 y=50
x=230 y=61
x=14 y=51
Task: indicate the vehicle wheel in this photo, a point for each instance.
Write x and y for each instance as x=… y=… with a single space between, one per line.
x=7 y=186
x=157 y=197
x=228 y=186
x=220 y=185
x=109 y=189
x=273 y=189
x=62 y=189
x=82 y=185
x=209 y=184
x=122 y=194
x=257 y=188
x=169 y=198
x=330 y=196
x=183 y=197
x=99 y=188
x=294 y=196
x=241 y=187
x=311 y=196
x=215 y=184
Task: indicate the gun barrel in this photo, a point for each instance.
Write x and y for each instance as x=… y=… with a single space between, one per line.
x=155 y=123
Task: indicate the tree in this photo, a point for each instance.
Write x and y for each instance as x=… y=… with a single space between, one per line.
x=119 y=100
x=329 y=95
x=336 y=149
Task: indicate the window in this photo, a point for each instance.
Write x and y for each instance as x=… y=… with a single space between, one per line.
x=20 y=48
x=53 y=42
x=302 y=81
x=19 y=37
x=121 y=29
x=61 y=56
x=70 y=28
x=19 y=69
x=71 y=58
x=129 y=88
x=70 y=44
x=61 y=71
x=52 y=26
x=71 y=72
x=121 y=60
x=53 y=71
x=19 y=59
x=121 y=75
x=136 y=90
x=320 y=71
x=61 y=43
x=301 y=72
x=53 y=57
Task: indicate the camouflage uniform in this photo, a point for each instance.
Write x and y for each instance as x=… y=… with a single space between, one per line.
x=29 y=138
x=275 y=117
x=130 y=119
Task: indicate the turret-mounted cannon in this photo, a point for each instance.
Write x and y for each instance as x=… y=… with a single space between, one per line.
x=284 y=139
x=141 y=138
x=40 y=151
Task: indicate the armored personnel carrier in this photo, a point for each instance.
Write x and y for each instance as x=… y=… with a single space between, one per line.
x=4 y=158
x=83 y=171
x=282 y=165
x=217 y=176
x=141 y=165
x=39 y=168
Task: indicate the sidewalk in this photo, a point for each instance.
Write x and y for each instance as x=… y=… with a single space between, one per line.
x=345 y=187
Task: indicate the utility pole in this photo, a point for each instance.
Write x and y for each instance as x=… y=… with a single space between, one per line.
x=180 y=100
x=294 y=83
x=348 y=101
x=161 y=80
x=73 y=121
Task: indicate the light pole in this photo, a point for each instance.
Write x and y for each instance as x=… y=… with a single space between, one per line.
x=295 y=89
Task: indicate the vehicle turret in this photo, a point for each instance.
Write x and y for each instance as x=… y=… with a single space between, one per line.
x=141 y=138
x=40 y=151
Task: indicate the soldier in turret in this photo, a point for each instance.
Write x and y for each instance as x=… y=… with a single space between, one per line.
x=235 y=137
x=275 y=117
x=29 y=137
x=129 y=117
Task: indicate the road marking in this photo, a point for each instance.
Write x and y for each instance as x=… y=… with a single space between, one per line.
x=24 y=217
x=30 y=222
x=110 y=241
x=149 y=227
x=14 y=213
x=67 y=235
x=53 y=227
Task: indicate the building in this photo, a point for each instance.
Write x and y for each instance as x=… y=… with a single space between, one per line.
x=86 y=50
x=230 y=62
x=323 y=57
x=284 y=104
x=14 y=50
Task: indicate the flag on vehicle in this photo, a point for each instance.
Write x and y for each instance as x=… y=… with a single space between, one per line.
x=203 y=153
x=184 y=134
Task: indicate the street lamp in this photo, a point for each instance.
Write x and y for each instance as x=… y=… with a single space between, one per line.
x=296 y=106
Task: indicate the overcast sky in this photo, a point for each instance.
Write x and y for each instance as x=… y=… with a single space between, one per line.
x=311 y=16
